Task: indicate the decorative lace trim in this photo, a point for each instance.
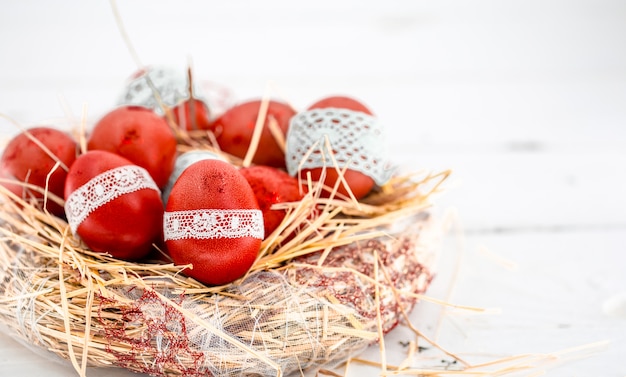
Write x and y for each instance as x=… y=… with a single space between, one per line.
x=171 y=84
x=213 y=223
x=103 y=188
x=356 y=140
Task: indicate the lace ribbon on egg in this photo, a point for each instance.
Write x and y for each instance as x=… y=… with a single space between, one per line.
x=357 y=141
x=213 y=223
x=172 y=86
x=103 y=188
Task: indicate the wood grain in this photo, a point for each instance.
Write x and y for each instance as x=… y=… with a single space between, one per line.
x=523 y=100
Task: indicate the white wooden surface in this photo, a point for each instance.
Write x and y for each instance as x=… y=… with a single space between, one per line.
x=524 y=100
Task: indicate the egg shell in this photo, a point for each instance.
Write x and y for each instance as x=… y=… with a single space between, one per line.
x=234 y=129
x=213 y=185
x=182 y=162
x=192 y=114
x=126 y=226
x=139 y=135
x=358 y=183
x=272 y=186
x=341 y=102
x=25 y=160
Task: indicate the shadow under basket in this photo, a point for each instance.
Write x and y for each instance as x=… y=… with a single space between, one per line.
x=326 y=302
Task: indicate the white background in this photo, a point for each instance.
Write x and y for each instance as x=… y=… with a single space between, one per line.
x=524 y=100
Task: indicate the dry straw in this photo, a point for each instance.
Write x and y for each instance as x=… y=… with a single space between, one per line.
x=331 y=280
x=334 y=278
x=352 y=273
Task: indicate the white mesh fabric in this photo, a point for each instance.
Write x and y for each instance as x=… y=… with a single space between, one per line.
x=295 y=320
x=213 y=223
x=357 y=140
x=103 y=188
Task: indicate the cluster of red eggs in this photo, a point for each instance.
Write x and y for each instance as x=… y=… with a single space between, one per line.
x=130 y=188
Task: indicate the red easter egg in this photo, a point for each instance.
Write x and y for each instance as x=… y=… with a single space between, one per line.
x=272 y=186
x=213 y=221
x=357 y=182
x=341 y=102
x=113 y=205
x=139 y=135
x=192 y=115
x=233 y=131
x=33 y=162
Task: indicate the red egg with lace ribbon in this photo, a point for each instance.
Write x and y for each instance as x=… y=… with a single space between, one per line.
x=113 y=205
x=350 y=128
x=213 y=222
x=161 y=87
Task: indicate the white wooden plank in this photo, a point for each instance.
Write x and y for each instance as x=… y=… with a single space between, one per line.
x=522 y=99
x=549 y=292
x=530 y=191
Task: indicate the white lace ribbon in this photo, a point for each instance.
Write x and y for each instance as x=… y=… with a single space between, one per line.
x=213 y=223
x=171 y=84
x=357 y=141
x=103 y=188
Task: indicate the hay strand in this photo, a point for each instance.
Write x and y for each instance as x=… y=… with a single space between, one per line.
x=94 y=310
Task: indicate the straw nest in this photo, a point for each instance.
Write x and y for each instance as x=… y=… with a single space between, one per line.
x=309 y=301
